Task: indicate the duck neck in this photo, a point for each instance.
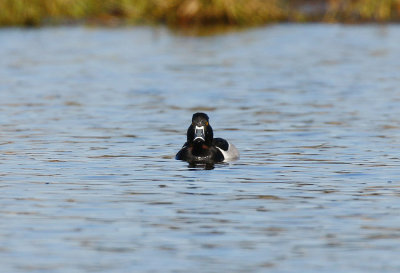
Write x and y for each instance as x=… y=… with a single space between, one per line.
x=200 y=148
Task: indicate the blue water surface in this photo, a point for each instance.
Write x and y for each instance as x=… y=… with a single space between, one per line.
x=91 y=119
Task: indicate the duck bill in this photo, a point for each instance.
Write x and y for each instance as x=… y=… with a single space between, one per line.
x=199 y=134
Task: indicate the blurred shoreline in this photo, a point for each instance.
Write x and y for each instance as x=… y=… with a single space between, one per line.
x=187 y=13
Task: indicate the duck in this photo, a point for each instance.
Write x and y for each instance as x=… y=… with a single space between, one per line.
x=202 y=148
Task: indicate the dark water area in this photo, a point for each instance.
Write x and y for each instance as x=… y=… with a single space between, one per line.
x=91 y=119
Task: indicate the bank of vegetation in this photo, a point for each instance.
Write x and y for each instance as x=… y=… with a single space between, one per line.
x=195 y=12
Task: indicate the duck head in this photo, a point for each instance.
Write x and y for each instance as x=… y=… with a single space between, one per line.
x=200 y=131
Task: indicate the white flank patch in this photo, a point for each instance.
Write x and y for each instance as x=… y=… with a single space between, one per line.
x=231 y=154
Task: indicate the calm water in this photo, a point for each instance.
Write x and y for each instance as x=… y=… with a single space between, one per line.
x=91 y=119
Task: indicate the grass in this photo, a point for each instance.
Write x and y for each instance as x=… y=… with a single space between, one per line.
x=363 y=10
x=195 y=12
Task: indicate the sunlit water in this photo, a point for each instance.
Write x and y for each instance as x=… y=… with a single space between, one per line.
x=91 y=119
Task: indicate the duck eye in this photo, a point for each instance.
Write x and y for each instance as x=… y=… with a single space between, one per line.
x=206 y=123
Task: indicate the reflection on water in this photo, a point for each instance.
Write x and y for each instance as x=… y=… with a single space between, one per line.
x=92 y=119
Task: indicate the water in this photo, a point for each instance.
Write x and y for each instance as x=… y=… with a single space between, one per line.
x=91 y=119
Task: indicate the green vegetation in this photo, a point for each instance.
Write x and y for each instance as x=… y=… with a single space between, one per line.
x=363 y=10
x=195 y=12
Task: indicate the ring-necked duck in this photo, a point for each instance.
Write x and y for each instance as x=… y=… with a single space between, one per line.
x=202 y=147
